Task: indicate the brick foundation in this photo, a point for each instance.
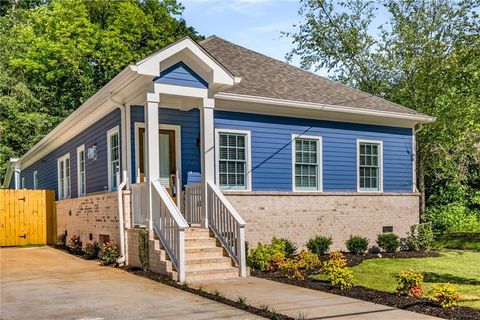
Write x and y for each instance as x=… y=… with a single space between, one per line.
x=300 y=216
x=96 y=214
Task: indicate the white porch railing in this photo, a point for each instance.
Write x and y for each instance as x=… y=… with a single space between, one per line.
x=140 y=204
x=228 y=226
x=193 y=203
x=169 y=225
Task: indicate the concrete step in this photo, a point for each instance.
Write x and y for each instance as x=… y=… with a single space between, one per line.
x=202 y=242
x=203 y=252
x=212 y=274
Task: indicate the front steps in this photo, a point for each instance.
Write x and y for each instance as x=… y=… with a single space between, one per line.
x=205 y=258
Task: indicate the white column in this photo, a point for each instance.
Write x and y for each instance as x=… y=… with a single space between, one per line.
x=207 y=133
x=153 y=161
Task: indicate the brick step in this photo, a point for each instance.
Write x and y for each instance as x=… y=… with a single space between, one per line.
x=203 y=252
x=212 y=274
x=208 y=264
x=204 y=242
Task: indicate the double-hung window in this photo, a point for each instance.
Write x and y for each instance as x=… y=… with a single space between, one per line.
x=369 y=165
x=233 y=159
x=81 y=174
x=113 y=145
x=63 y=166
x=307 y=163
x=35 y=180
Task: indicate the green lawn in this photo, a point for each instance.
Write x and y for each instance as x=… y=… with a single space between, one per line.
x=460 y=268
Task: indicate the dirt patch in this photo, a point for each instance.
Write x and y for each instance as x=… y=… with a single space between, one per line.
x=423 y=306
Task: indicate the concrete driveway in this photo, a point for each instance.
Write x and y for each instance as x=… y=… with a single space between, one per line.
x=44 y=283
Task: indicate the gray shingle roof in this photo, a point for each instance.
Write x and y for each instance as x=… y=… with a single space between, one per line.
x=263 y=76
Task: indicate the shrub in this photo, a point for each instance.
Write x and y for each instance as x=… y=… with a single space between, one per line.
x=388 y=242
x=267 y=257
x=319 y=244
x=91 y=250
x=410 y=283
x=453 y=217
x=143 y=249
x=290 y=247
x=62 y=240
x=446 y=295
x=357 y=244
x=420 y=237
x=109 y=253
x=302 y=264
x=337 y=272
x=75 y=245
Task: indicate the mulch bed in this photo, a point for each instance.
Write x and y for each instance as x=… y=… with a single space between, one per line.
x=380 y=297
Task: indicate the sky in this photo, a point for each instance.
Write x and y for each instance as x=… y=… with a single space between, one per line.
x=254 y=24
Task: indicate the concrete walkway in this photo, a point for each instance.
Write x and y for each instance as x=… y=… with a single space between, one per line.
x=312 y=304
x=44 y=283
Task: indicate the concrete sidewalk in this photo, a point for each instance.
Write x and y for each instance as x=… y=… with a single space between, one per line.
x=44 y=283
x=293 y=301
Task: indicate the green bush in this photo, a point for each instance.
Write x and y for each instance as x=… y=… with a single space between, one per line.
x=267 y=257
x=453 y=217
x=143 y=249
x=420 y=237
x=75 y=245
x=109 y=253
x=410 y=283
x=290 y=247
x=91 y=251
x=388 y=242
x=357 y=244
x=319 y=244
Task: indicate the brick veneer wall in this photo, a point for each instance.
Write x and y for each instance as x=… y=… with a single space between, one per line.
x=133 y=241
x=299 y=216
x=96 y=214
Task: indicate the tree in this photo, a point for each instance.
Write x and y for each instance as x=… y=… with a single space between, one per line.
x=55 y=54
x=426 y=56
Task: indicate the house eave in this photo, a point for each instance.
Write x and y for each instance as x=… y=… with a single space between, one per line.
x=283 y=107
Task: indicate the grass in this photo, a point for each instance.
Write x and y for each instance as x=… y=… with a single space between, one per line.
x=462 y=241
x=460 y=268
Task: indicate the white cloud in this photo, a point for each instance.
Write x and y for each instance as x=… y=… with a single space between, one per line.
x=250 y=8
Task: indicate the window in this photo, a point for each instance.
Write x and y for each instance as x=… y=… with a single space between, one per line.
x=307 y=159
x=63 y=165
x=369 y=165
x=113 y=145
x=35 y=180
x=82 y=184
x=233 y=159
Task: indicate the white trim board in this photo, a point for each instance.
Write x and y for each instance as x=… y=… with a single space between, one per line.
x=319 y=162
x=380 y=155
x=80 y=149
x=248 y=158
x=111 y=132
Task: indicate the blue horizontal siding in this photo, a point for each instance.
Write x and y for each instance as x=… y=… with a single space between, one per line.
x=181 y=75
x=189 y=122
x=272 y=151
x=96 y=170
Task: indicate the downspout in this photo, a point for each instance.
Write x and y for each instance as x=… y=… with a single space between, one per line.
x=415 y=189
x=123 y=183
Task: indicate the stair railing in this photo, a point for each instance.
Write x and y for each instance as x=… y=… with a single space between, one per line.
x=169 y=225
x=228 y=226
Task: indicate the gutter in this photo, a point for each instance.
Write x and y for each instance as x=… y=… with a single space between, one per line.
x=121 y=225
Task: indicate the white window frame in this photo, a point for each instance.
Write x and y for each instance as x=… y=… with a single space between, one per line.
x=79 y=182
x=111 y=132
x=35 y=180
x=380 y=156
x=319 y=166
x=62 y=189
x=248 y=157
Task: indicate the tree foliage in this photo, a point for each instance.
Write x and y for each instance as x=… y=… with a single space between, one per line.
x=55 y=54
x=425 y=56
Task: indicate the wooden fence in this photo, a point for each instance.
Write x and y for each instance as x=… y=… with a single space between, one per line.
x=27 y=217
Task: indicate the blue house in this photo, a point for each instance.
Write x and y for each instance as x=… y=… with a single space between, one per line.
x=209 y=145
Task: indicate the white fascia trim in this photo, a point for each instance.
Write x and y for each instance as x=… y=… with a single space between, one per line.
x=324 y=107
x=114 y=130
x=180 y=90
x=8 y=174
x=380 y=154
x=91 y=110
x=248 y=148
x=80 y=149
x=320 y=162
x=151 y=64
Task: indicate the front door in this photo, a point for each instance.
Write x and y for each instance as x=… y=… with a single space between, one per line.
x=168 y=169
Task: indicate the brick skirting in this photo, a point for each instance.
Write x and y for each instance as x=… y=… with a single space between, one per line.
x=339 y=215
